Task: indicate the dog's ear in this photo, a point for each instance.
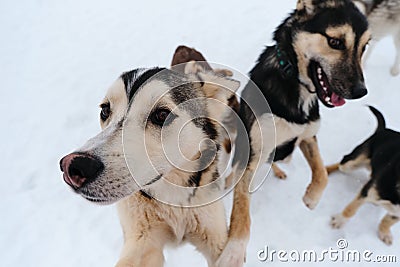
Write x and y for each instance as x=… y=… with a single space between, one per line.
x=218 y=87
x=306 y=6
x=192 y=67
x=310 y=7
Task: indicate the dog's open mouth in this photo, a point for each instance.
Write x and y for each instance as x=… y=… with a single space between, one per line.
x=324 y=91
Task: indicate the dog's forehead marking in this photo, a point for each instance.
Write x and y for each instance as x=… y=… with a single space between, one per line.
x=340 y=31
x=134 y=79
x=154 y=93
x=116 y=92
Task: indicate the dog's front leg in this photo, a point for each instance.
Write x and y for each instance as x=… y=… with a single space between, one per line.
x=314 y=191
x=144 y=235
x=234 y=253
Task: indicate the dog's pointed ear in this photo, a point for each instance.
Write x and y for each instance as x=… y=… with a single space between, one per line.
x=216 y=86
x=192 y=67
x=306 y=6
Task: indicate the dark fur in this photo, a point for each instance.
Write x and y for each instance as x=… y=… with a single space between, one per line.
x=282 y=88
x=383 y=151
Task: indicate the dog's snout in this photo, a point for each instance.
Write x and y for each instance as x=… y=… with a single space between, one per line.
x=358 y=91
x=80 y=168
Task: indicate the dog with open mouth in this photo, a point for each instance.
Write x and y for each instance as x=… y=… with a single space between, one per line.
x=316 y=59
x=158 y=156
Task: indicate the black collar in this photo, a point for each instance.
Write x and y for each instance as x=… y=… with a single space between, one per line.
x=285 y=66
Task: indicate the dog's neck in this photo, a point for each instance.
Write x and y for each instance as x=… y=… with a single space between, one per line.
x=285 y=65
x=289 y=70
x=287 y=96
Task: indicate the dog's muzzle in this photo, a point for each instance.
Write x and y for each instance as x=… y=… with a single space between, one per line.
x=358 y=91
x=80 y=169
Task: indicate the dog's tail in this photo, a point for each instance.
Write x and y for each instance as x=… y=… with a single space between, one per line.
x=379 y=118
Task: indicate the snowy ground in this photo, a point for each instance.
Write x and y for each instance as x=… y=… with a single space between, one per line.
x=57 y=59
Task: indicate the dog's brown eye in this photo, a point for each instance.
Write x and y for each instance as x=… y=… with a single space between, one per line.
x=105 y=111
x=162 y=117
x=336 y=43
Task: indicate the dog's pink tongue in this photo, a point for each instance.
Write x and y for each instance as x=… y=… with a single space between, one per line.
x=337 y=101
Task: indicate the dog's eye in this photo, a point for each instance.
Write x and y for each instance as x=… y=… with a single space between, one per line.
x=162 y=117
x=105 y=111
x=336 y=43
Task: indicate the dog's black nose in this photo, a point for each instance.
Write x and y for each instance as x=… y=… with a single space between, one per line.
x=358 y=91
x=80 y=168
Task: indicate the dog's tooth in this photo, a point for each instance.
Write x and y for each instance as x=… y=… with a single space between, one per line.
x=327 y=99
x=322 y=83
x=320 y=76
x=319 y=70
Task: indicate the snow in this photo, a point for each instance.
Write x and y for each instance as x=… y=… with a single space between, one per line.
x=57 y=60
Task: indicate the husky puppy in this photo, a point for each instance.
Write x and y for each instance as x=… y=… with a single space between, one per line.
x=384 y=20
x=381 y=154
x=157 y=155
x=316 y=58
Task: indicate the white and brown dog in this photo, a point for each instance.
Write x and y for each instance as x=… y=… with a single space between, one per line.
x=157 y=155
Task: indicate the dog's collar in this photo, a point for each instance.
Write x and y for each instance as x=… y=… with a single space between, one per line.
x=285 y=66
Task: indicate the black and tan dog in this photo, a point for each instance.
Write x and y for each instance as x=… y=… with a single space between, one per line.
x=316 y=58
x=381 y=154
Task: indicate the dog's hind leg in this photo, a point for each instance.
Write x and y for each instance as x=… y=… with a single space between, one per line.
x=384 y=228
x=314 y=191
x=395 y=70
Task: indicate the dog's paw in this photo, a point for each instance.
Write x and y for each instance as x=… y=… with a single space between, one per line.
x=280 y=174
x=386 y=237
x=234 y=254
x=338 y=221
x=395 y=71
x=310 y=202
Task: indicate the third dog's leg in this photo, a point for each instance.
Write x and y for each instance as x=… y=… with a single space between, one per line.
x=310 y=149
x=367 y=194
x=340 y=219
x=384 y=228
x=395 y=70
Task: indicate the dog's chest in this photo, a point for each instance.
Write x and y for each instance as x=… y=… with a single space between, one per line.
x=272 y=131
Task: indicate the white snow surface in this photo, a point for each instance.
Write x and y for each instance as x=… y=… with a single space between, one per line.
x=57 y=60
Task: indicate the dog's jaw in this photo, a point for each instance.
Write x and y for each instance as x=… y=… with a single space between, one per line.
x=323 y=88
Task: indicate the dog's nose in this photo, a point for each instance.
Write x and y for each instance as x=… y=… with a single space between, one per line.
x=358 y=91
x=80 y=168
